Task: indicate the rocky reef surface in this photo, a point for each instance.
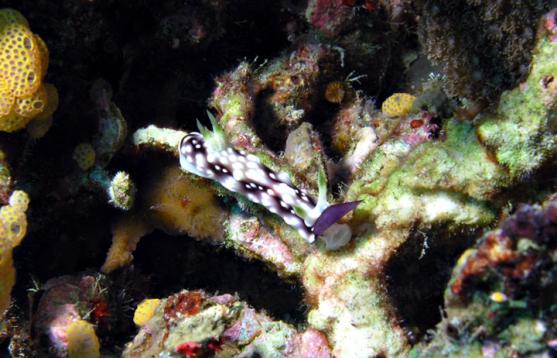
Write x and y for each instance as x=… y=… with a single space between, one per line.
x=437 y=118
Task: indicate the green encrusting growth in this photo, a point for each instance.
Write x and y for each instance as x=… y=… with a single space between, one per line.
x=521 y=132
x=442 y=181
x=452 y=180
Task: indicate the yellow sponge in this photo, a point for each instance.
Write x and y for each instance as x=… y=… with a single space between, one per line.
x=20 y=60
x=51 y=102
x=11 y=16
x=6 y=98
x=13 y=122
x=15 y=224
x=38 y=127
x=125 y=235
x=32 y=105
x=183 y=205
x=19 y=200
x=82 y=340
x=398 y=104
x=7 y=280
x=43 y=53
x=145 y=311
x=23 y=65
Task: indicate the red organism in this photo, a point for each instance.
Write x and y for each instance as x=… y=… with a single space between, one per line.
x=186 y=303
x=100 y=311
x=214 y=345
x=369 y=6
x=188 y=349
x=416 y=123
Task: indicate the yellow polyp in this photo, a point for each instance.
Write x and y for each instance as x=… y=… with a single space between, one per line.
x=145 y=311
x=82 y=340
x=498 y=297
x=398 y=104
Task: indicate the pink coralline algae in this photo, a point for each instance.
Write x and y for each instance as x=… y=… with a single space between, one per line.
x=258 y=240
x=230 y=329
x=550 y=23
x=65 y=300
x=328 y=16
x=313 y=344
x=419 y=128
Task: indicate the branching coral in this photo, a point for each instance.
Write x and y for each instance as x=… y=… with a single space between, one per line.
x=411 y=179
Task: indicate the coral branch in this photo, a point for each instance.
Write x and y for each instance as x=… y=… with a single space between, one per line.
x=160 y=138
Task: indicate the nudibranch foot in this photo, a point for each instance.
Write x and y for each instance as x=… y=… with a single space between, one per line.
x=208 y=155
x=336 y=236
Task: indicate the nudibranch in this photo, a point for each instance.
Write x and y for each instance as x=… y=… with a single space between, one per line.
x=207 y=154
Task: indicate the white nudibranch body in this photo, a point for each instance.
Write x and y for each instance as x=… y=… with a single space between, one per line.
x=207 y=154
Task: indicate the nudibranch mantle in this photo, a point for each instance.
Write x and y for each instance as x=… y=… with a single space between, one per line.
x=207 y=154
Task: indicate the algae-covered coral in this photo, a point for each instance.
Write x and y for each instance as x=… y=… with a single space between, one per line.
x=400 y=132
x=500 y=299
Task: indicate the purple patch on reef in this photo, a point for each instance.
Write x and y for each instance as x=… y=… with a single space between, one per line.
x=333 y=214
